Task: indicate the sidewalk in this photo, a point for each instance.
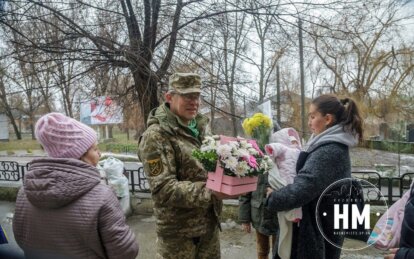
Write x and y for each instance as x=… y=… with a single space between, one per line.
x=234 y=242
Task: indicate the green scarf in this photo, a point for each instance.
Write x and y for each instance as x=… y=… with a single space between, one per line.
x=192 y=125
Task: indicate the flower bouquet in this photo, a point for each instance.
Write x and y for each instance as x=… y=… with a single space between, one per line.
x=233 y=164
x=259 y=127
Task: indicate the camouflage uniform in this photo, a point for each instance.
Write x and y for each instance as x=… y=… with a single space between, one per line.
x=186 y=212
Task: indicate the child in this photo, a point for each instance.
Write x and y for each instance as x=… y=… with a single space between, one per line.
x=284 y=149
x=253 y=212
x=63 y=211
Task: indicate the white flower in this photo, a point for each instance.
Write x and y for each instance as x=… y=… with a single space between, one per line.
x=209 y=143
x=253 y=151
x=224 y=151
x=244 y=144
x=234 y=145
x=242 y=152
x=231 y=163
x=241 y=169
x=266 y=163
x=236 y=156
x=207 y=148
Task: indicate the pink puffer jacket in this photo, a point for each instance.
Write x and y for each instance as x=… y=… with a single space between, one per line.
x=284 y=153
x=64 y=212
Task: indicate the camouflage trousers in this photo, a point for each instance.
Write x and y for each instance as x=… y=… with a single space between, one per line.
x=203 y=247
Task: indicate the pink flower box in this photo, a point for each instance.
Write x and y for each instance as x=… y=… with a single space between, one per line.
x=230 y=185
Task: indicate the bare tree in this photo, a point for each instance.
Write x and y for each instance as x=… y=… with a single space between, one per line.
x=268 y=47
x=357 y=54
x=5 y=105
x=146 y=48
x=152 y=38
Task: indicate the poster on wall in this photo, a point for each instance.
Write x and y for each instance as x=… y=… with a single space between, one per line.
x=101 y=110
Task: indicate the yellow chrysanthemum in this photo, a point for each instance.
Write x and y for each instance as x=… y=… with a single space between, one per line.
x=258 y=119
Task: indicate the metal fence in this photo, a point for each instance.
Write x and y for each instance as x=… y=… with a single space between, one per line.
x=390 y=187
x=137 y=180
x=11 y=171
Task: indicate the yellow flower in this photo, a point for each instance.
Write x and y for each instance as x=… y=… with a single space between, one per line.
x=257 y=120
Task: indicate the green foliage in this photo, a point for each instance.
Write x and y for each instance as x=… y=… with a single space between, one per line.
x=391 y=146
x=261 y=134
x=8 y=193
x=27 y=144
x=119 y=148
x=208 y=159
x=119 y=144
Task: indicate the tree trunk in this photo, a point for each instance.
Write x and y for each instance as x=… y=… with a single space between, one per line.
x=234 y=120
x=32 y=122
x=16 y=129
x=147 y=90
x=13 y=122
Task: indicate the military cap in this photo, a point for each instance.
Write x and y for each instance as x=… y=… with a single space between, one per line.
x=184 y=83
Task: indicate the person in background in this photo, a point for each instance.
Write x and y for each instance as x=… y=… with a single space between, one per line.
x=336 y=126
x=187 y=212
x=406 y=250
x=63 y=211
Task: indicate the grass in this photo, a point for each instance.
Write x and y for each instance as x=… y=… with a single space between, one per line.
x=28 y=144
x=8 y=194
x=23 y=144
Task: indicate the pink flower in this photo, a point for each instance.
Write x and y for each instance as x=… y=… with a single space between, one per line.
x=252 y=162
x=255 y=146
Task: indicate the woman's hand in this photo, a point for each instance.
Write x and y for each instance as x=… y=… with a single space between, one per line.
x=268 y=192
x=393 y=251
x=247 y=227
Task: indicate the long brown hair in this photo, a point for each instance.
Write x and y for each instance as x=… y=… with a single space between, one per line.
x=345 y=112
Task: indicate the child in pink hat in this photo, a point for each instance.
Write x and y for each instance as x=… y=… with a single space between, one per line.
x=63 y=211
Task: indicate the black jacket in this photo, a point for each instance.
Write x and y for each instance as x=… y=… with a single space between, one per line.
x=406 y=250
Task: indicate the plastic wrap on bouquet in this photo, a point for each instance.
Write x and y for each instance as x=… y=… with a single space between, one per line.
x=231 y=185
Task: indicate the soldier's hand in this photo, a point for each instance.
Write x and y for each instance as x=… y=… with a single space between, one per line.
x=247 y=227
x=223 y=196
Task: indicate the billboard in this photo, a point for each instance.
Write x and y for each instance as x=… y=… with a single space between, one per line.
x=100 y=110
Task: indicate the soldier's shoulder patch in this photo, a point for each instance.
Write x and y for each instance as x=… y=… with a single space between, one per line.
x=155 y=166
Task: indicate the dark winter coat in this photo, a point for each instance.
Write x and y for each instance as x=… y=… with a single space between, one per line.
x=324 y=164
x=63 y=211
x=252 y=209
x=406 y=250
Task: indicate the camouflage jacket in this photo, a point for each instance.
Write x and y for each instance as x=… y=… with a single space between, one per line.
x=182 y=203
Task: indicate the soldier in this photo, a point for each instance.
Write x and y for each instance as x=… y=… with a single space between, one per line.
x=186 y=211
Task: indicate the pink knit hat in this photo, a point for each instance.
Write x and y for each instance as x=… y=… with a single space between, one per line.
x=64 y=137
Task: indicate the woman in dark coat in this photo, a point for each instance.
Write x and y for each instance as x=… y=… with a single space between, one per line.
x=336 y=125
